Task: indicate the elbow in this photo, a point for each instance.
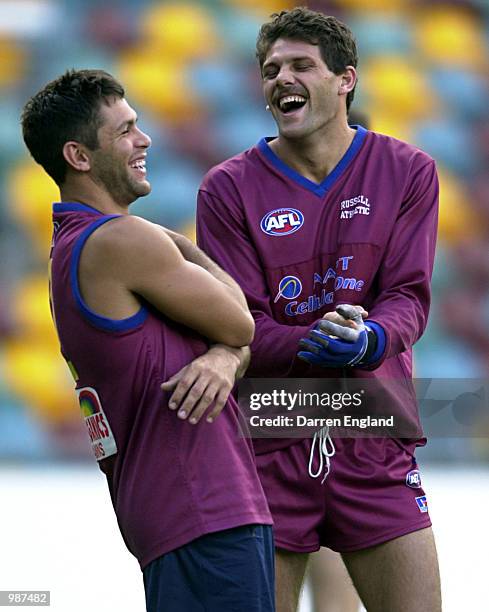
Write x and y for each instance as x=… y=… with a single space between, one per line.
x=242 y=334
x=250 y=329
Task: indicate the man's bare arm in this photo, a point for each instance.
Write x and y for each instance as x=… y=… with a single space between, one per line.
x=138 y=258
x=194 y=386
x=192 y=253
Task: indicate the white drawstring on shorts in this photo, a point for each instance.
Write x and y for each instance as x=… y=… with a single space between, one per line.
x=323 y=438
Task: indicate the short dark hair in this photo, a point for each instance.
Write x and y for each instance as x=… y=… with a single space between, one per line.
x=336 y=42
x=66 y=109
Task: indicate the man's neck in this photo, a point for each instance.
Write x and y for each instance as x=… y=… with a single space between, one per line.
x=315 y=156
x=92 y=195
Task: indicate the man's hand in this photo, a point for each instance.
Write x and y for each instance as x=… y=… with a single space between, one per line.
x=206 y=380
x=339 y=319
x=339 y=339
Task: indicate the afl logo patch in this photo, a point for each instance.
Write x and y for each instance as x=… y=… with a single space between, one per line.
x=413 y=479
x=282 y=221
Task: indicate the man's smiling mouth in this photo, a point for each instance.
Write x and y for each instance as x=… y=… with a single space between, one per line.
x=139 y=164
x=291 y=102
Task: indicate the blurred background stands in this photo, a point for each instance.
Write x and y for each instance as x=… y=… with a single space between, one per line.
x=190 y=72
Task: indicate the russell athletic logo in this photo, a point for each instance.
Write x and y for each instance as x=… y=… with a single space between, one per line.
x=282 y=221
x=354 y=206
x=289 y=288
x=413 y=479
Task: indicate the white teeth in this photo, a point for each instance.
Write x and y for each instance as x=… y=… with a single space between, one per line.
x=289 y=99
x=140 y=164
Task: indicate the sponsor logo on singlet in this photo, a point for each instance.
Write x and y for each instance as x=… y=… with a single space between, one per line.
x=359 y=205
x=325 y=284
x=289 y=288
x=413 y=479
x=282 y=221
x=101 y=436
x=422 y=503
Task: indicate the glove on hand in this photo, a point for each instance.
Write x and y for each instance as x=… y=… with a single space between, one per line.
x=334 y=346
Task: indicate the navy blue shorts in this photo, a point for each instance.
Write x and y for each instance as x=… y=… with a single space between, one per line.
x=224 y=571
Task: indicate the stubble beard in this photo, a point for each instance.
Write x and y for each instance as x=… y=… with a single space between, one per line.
x=115 y=178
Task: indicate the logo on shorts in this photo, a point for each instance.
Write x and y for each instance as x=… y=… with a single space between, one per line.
x=282 y=221
x=422 y=503
x=289 y=288
x=413 y=479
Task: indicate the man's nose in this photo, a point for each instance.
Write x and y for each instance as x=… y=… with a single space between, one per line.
x=285 y=76
x=143 y=140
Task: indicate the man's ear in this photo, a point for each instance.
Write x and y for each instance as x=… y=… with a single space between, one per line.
x=76 y=156
x=348 y=80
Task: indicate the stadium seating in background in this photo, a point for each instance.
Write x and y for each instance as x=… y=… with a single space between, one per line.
x=190 y=72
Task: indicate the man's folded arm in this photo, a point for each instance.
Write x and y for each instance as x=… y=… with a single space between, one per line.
x=146 y=262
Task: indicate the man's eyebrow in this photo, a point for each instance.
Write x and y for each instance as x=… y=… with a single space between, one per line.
x=126 y=123
x=295 y=58
x=268 y=63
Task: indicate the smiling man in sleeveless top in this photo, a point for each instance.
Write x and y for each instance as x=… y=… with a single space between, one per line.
x=136 y=306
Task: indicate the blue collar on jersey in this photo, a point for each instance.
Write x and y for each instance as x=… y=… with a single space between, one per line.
x=61 y=207
x=322 y=188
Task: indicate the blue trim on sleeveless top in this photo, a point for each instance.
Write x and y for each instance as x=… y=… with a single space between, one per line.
x=60 y=207
x=94 y=318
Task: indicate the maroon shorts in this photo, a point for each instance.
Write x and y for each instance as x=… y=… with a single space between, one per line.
x=372 y=494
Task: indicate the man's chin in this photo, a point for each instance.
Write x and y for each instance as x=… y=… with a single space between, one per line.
x=292 y=131
x=142 y=189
